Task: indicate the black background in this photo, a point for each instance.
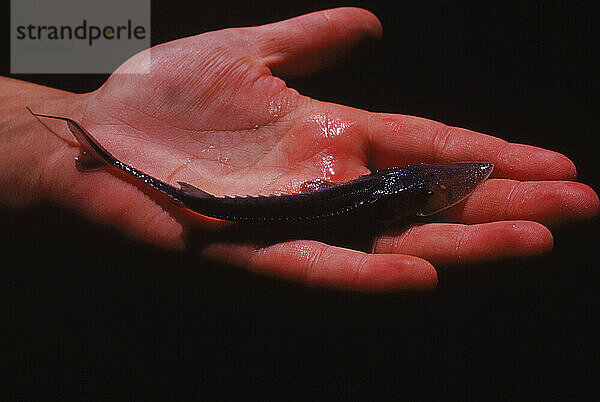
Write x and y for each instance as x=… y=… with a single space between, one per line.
x=90 y=311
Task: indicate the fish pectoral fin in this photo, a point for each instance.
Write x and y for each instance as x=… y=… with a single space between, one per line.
x=87 y=161
x=316 y=185
x=91 y=154
x=192 y=191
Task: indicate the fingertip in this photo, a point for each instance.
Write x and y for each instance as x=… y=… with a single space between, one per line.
x=591 y=203
x=427 y=277
x=504 y=239
x=532 y=238
x=369 y=24
x=508 y=239
x=397 y=272
x=563 y=167
x=595 y=204
x=310 y=42
x=570 y=168
x=553 y=165
x=580 y=200
x=527 y=162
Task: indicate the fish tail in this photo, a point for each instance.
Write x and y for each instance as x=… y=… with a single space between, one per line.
x=92 y=155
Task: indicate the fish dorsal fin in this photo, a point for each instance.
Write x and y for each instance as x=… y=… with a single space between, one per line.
x=192 y=191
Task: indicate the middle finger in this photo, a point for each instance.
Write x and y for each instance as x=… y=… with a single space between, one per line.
x=548 y=202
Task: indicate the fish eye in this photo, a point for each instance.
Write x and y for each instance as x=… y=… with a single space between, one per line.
x=436 y=197
x=443 y=190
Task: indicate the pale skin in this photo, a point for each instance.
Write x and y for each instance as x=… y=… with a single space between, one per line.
x=214 y=110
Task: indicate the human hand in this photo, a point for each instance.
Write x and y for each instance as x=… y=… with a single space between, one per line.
x=210 y=110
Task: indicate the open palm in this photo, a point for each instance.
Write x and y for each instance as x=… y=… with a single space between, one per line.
x=212 y=111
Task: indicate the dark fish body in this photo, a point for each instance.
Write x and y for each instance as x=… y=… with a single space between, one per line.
x=393 y=193
x=334 y=200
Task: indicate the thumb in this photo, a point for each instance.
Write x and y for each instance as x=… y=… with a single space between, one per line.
x=310 y=42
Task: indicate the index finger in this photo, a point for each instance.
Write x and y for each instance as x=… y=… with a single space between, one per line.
x=398 y=140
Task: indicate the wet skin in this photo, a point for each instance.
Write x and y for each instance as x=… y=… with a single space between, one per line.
x=213 y=110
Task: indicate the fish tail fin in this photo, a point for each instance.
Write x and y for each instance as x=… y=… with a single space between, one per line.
x=92 y=155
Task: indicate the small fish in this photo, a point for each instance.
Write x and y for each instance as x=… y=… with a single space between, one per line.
x=394 y=193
